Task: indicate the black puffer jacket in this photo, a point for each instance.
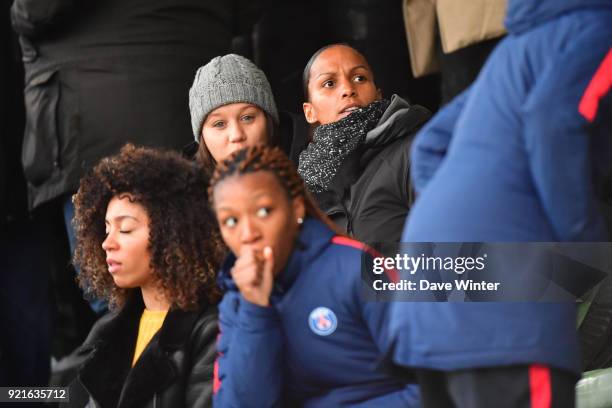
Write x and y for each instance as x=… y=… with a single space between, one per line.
x=370 y=195
x=174 y=370
x=100 y=74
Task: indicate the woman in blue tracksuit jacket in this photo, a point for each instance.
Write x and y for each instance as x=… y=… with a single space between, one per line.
x=294 y=329
x=510 y=160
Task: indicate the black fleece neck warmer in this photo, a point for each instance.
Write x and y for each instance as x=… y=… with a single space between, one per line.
x=333 y=143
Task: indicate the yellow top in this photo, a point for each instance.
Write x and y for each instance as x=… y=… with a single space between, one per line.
x=150 y=323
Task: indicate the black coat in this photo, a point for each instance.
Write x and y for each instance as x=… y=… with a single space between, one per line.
x=370 y=195
x=101 y=74
x=13 y=204
x=174 y=370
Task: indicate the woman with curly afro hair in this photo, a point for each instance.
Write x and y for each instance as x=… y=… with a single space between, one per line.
x=147 y=243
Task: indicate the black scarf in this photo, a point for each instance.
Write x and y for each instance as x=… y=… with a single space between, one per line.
x=333 y=143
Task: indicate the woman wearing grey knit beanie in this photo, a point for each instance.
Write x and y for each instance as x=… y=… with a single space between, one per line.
x=232 y=106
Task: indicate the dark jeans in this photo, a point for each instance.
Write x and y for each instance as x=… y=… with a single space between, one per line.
x=25 y=307
x=98 y=306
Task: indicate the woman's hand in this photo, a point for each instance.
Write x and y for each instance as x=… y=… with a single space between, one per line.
x=253 y=274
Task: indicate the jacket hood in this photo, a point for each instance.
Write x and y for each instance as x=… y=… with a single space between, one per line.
x=525 y=14
x=400 y=119
x=313 y=238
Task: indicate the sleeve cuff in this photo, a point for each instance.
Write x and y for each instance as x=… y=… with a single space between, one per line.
x=252 y=316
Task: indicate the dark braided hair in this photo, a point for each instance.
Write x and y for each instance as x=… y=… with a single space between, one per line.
x=272 y=159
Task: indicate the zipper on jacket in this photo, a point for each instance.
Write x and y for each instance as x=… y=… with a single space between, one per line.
x=348 y=211
x=349 y=224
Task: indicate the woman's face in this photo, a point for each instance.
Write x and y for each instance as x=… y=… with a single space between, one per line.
x=232 y=127
x=127 y=243
x=253 y=210
x=340 y=82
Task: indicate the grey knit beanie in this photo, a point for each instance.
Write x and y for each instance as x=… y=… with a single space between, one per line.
x=225 y=80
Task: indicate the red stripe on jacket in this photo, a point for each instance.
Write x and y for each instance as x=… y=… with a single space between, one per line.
x=597 y=88
x=216 y=380
x=392 y=274
x=540 y=386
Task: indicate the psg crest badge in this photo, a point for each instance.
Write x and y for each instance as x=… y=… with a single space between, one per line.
x=322 y=321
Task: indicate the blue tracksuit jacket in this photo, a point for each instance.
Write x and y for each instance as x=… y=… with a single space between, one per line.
x=318 y=343
x=509 y=161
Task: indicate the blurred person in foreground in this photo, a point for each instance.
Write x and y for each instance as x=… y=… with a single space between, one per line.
x=295 y=330
x=509 y=160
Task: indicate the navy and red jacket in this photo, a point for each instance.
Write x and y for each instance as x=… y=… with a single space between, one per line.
x=318 y=343
x=511 y=160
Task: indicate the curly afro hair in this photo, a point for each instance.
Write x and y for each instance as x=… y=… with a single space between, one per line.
x=184 y=241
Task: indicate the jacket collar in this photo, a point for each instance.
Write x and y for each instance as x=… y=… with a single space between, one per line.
x=525 y=14
x=108 y=375
x=399 y=120
x=314 y=237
